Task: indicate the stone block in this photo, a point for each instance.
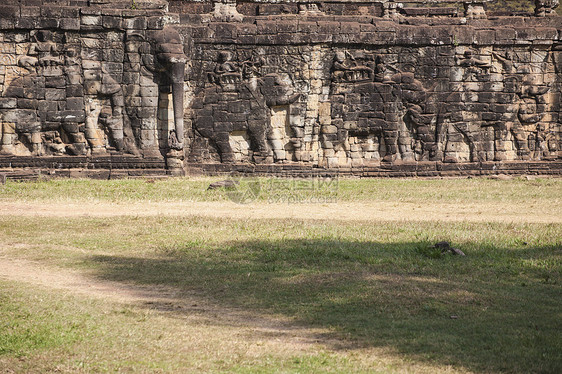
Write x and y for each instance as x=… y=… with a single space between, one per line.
x=112 y=67
x=26 y=23
x=71 y=116
x=7 y=23
x=27 y=103
x=504 y=34
x=53 y=71
x=20 y=116
x=114 y=55
x=8 y=127
x=75 y=104
x=147 y=113
x=47 y=106
x=8 y=103
x=137 y=23
x=59 y=12
x=149 y=102
x=149 y=91
x=55 y=94
x=71 y=24
x=91 y=20
x=55 y=82
x=112 y=22
x=9 y=11
x=28 y=3
x=484 y=37
x=74 y=90
x=48 y=23
x=130 y=90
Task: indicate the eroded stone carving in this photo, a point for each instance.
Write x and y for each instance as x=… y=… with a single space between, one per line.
x=238 y=99
x=154 y=84
x=338 y=85
x=544 y=8
x=367 y=102
x=46 y=118
x=69 y=98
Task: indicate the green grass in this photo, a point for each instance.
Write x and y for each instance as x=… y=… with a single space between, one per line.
x=481 y=190
x=367 y=284
x=25 y=325
x=373 y=294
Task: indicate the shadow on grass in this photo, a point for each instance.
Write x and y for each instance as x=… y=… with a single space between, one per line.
x=495 y=310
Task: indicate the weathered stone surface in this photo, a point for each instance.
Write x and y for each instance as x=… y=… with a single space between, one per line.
x=339 y=85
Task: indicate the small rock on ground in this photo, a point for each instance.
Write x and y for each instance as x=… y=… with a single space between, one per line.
x=222 y=184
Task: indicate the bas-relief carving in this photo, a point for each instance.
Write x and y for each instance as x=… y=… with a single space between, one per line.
x=516 y=104
x=154 y=81
x=66 y=98
x=72 y=93
x=238 y=99
x=375 y=102
x=496 y=106
x=41 y=82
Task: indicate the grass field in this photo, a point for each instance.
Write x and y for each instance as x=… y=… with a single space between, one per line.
x=165 y=276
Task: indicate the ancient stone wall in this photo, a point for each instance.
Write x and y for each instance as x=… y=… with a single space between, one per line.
x=342 y=85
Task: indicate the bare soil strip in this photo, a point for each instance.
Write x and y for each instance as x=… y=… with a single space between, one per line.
x=530 y=212
x=161 y=299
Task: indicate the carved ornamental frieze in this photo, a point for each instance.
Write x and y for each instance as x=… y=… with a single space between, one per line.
x=315 y=84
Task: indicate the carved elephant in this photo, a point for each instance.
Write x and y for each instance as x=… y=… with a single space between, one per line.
x=156 y=66
x=391 y=109
x=240 y=105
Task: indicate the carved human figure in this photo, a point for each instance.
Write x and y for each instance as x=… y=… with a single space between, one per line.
x=43 y=51
x=346 y=68
x=551 y=139
x=507 y=61
x=340 y=66
x=224 y=64
x=473 y=66
x=462 y=132
x=226 y=73
x=419 y=138
x=525 y=116
x=544 y=8
x=251 y=67
x=24 y=126
x=98 y=89
x=380 y=70
x=537 y=140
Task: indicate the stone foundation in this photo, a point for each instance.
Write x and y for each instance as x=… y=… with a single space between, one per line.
x=362 y=88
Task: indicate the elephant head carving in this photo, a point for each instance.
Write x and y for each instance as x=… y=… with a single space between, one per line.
x=168 y=62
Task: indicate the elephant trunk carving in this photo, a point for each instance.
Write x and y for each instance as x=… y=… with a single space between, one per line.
x=178 y=69
x=171 y=62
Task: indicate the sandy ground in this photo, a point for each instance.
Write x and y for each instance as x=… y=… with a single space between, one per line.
x=370 y=211
x=163 y=299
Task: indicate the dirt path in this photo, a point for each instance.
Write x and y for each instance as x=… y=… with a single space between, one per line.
x=35 y=273
x=162 y=299
x=530 y=212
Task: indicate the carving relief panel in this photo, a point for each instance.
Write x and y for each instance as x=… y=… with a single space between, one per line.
x=272 y=91
x=71 y=93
